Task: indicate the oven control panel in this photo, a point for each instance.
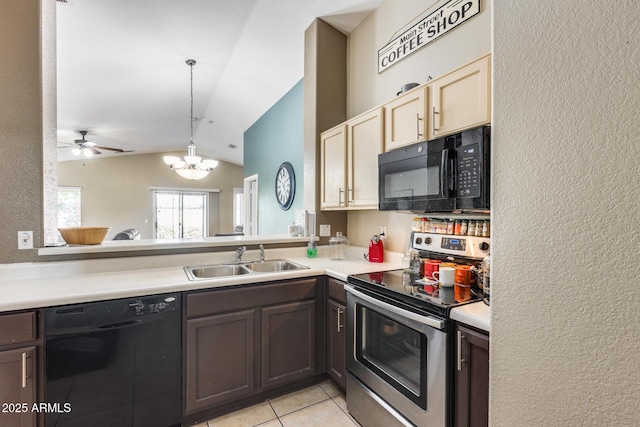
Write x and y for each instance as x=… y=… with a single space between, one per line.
x=462 y=246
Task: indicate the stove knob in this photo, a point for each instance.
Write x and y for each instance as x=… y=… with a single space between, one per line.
x=484 y=246
x=427 y=240
x=418 y=240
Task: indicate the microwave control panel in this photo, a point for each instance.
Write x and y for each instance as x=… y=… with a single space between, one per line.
x=468 y=171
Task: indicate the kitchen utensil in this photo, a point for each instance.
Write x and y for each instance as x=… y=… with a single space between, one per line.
x=486 y=280
x=445 y=275
x=407 y=87
x=84 y=235
x=430 y=266
x=411 y=262
x=462 y=285
x=339 y=245
x=376 y=250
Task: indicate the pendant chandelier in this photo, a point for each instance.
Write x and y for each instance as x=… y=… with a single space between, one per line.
x=192 y=167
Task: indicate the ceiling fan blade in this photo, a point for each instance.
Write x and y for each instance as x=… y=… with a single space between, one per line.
x=118 y=150
x=93 y=150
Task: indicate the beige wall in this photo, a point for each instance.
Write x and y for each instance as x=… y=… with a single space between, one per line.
x=26 y=72
x=367 y=88
x=115 y=190
x=566 y=178
x=325 y=87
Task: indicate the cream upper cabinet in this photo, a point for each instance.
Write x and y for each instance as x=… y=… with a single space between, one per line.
x=364 y=143
x=461 y=99
x=333 y=161
x=406 y=118
x=349 y=163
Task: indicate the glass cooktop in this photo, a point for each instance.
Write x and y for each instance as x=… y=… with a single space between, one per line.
x=412 y=288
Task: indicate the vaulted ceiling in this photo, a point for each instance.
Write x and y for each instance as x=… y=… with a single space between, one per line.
x=122 y=74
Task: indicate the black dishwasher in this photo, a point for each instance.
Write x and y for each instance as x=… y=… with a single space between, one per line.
x=114 y=363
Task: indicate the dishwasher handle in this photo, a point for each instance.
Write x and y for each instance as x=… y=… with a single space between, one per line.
x=106 y=315
x=120 y=324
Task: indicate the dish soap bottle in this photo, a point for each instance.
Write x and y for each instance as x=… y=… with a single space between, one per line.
x=312 y=249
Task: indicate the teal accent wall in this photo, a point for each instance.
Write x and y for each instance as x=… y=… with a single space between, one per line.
x=274 y=138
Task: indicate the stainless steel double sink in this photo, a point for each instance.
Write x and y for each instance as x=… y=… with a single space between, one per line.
x=204 y=272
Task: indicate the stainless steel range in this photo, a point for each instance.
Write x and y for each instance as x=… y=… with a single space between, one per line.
x=399 y=339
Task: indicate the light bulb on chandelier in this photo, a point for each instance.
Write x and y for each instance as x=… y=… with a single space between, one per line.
x=192 y=167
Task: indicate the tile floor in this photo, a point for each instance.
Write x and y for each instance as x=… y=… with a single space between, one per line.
x=316 y=406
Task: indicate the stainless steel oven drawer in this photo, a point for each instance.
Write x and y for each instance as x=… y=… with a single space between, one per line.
x=370 y=410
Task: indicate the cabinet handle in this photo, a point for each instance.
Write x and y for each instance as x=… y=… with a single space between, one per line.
x=350 y=190
x=340 y=325
x=340 y=191
x=418 y=119
x=460 y=359
x=435 y=129
x=24 y=370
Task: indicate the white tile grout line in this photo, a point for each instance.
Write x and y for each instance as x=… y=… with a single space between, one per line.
x=299 y=409
x=345 y=411
x=275 y=413
x=303 y=407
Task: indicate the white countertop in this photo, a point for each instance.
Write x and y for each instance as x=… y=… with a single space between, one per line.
x=477 y=314
x=35 y=285
x=45 y=284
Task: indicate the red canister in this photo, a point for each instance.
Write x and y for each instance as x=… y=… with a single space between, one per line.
x=430 y=266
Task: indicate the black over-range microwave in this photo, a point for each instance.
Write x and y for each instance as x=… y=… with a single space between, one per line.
x=442 y=175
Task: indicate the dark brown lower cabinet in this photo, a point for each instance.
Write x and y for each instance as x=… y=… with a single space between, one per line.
x=336 y=334
x=288 y=343
x=472 y=377
x=244 y=342
x=18 y=387
x=220 y=356
x=20 y=382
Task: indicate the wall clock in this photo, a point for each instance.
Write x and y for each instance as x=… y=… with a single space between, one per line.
x=285 y=186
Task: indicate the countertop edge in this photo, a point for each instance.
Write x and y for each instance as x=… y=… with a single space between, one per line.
x=476 y=314
x=112 y=246
x=40 y=292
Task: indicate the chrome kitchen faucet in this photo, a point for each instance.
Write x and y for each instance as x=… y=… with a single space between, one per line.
x=240 y=252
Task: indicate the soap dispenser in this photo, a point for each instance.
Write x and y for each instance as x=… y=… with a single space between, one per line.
x=312 y=249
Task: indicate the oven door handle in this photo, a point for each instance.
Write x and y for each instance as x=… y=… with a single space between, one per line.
x=425 y=320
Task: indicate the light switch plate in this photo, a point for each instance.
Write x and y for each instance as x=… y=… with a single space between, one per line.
x=325 y=230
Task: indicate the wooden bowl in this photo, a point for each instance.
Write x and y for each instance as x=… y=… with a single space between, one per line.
x=84 y=235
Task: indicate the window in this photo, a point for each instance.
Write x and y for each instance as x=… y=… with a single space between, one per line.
x=181 y=214
x=69 y=207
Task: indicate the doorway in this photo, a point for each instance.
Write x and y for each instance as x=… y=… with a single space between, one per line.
x=180 y=214
x=251 y=205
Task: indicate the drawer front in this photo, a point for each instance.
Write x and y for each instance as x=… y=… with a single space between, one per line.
x=18 y=328
x=336 y=290
x=243 y=297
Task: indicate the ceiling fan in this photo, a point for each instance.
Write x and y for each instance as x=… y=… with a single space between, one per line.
x=88 y=148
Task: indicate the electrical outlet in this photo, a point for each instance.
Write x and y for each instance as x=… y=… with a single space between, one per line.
x=325 y=230
x=383 y=232
x=25 y=239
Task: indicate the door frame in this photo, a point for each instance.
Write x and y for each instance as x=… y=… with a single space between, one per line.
x=251 y=205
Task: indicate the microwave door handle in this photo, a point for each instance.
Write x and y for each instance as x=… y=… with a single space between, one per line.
x=444 y=173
